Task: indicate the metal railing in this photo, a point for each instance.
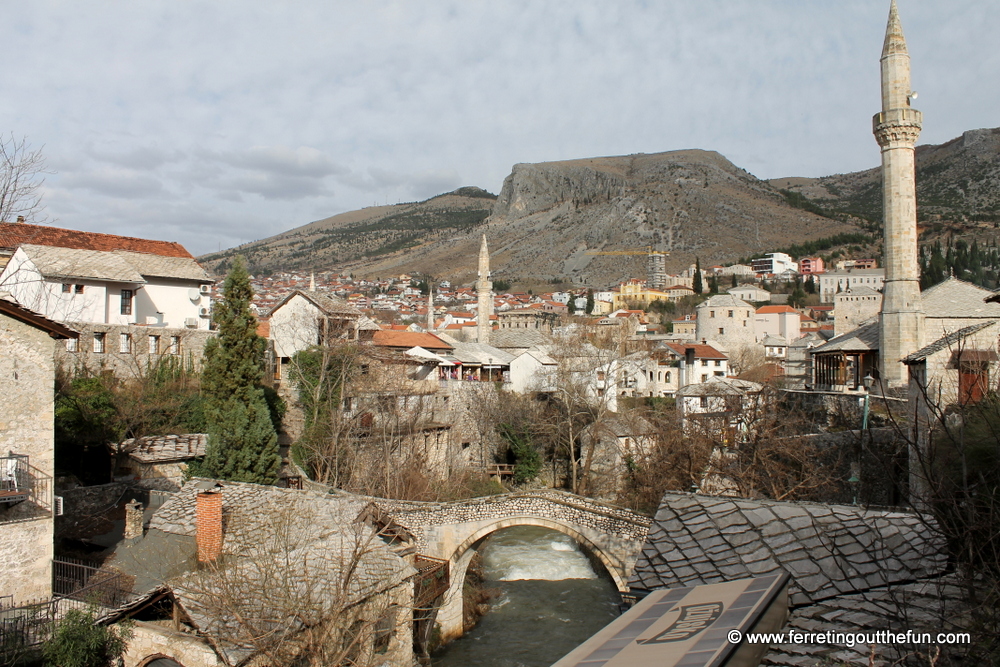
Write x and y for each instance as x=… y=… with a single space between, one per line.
x=79 y=581
x=22 y=482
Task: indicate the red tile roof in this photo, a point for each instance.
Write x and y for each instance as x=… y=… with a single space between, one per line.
x=408 y=339
x=700 y=351
x=13 y=234
x=765 y=310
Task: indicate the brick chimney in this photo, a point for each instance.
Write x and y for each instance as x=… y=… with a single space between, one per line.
x=208 y=525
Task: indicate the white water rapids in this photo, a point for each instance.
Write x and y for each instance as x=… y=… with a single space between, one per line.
x=549 y=600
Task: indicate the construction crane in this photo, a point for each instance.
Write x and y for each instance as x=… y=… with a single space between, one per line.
x=656 y=265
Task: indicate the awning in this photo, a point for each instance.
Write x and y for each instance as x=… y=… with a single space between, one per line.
x=421 y=353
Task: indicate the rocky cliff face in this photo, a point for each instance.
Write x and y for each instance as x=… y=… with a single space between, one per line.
x=688 y=203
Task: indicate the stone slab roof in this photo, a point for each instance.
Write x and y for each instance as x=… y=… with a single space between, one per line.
x=163 y=448
x=508 y=339
x=70 y=263
x=328 y=304
x=116 y=266
x=933 y=605
x=718 y=386
x=724 y=301
x=13 y=235
x=863 y=339
x=958 y=298
x=480 y=353
x=828 y=550
x=11 y=308
x=946 y=342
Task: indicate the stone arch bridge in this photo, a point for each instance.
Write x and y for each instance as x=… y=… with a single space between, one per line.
x=454 y=531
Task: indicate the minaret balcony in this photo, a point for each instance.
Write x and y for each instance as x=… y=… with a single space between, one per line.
x=895 y=118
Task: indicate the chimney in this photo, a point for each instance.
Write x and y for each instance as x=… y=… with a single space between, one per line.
x=20 y=218
x=208 y=525
x=133 y=520
x=689 y=355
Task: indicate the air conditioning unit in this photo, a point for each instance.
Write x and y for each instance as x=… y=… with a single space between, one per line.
x=57 y=505
x=206 y=289
x=204 y=311
x=191 y=322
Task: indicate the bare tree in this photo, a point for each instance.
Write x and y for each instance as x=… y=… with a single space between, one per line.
x=296 y=586
x=22 y=174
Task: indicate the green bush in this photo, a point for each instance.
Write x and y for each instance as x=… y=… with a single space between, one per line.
x=79 y=642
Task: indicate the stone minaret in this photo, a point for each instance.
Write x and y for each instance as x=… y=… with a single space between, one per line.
x=896 y=129
x=430 y=305
x=484 y=290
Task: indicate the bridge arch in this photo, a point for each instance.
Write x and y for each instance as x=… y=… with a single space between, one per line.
x=613 y=568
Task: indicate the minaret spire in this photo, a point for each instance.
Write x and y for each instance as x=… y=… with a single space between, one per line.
x=430 y=305
x=484 y=290
x=896 y=129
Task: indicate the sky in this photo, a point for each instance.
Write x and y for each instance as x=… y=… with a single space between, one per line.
x=219 y=123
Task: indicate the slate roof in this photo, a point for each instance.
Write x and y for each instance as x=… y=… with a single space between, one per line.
x=116 y=265
x=508 y=339
x=724 y=301
x=946 y=342
x=957 y=298
x=328 y=304
x=863 y=339
x=13 y=235
x=11 y=308
x=164 y=448
x=480 y=353
x=828 y=550
x=719 y=386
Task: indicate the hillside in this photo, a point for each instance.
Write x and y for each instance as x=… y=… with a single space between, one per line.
x=547 y=216
x=335 y=242
x=958 y=186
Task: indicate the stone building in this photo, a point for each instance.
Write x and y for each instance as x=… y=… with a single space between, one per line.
x=838 y=281
x=130 y=351
x=27 y=375
x=854 y=306
x=727 y=321
x=205 y=588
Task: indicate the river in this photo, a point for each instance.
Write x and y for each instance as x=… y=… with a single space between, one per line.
x=551 y=600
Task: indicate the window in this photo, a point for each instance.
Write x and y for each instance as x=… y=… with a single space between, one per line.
x=154 y=344
x=711 y=313
x=99 y=342
x=667 y=377
x=78 y=289
x=719 y=374
x=704 y=402
x=175 y=345
x=600 y=375
x=718 y=362
x=126 y=302
x=722 y=331
x=704 y=378
x=66 y=288
x=704 y=362
x=125 y=343
x=731 y=313
x=71 y=345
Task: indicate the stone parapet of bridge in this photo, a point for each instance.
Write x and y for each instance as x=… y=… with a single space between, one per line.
x=453 y=531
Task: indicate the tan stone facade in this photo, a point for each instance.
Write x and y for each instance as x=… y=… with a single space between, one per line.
x=27 y=372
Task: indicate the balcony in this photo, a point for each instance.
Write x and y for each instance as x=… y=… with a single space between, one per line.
x=24 y=487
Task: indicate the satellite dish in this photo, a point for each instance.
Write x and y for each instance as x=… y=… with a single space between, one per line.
x=194 y=294
x=913 y=94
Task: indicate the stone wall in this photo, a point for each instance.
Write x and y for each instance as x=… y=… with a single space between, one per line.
x=153 y=640
x=27 y=374
x=140 y=356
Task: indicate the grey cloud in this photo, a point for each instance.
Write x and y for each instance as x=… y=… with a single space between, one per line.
x=139 y=157
x=114 y=182
x=301 y=161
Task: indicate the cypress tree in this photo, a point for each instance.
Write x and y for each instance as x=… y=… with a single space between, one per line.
x=242 y=441
x=696 y=283
x=590 y=301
